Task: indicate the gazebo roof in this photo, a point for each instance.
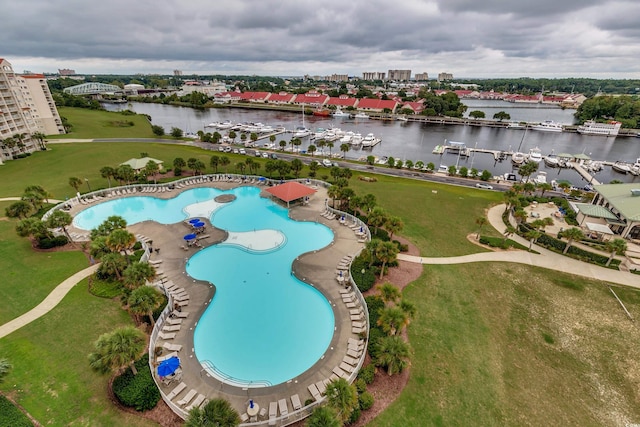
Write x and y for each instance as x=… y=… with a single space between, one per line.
x=289 y=191
x=137 y=164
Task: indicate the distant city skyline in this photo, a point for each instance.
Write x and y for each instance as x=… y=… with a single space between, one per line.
x=469 y=39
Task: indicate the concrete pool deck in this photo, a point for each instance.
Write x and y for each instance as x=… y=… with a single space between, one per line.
x=317 y=268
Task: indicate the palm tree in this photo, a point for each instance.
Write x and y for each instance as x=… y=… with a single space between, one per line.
x=389 y=293
x=345 y=148
x=370 y=248
x=113 y=264
x=240 y=167
x=572 y=234
x=323 y=416
x=215 y=413
x=394 y=225
x=20 y=209
x=5 y=367
x=137 y=274
x=40 y=137
x=481 y=221
x=179 y=163
x=152 y=168
x=107 y=172
x=214 y=162
x=377 y=218
x=509 y=231
x=282 y=144
x=224 y=162
x=409 y=309
x=532 y=235
x=393 y=354
x=75 y=182
x=32 y=228
x=60 y=219
x=342 y=397
x=392 y=320
x=296 y=167
x=334 y=193
x=616 y=247
x=330 y=145
x=120 y=240
x=386 y=252
x=527 y=170
x=544 y=187
x=145 y=300
x=311 y=149
x=125 y=173
x=118 y=349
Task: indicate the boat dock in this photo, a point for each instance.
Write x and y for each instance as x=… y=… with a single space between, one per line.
x=583 y=173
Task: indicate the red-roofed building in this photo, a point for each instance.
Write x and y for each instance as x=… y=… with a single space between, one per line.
x=416 y=106
x=281 y=98
x=227 y=97
x=290 y=191
x=254 y=96
x=466 y=93
x=312 y=98
x=377 y=105
x=342 y=101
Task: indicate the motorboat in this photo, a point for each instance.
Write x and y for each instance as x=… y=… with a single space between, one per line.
x=535 y=155
x=551 y=161
x=516 y=125
x=225 y=125
x=517 y=158
x=370 y=140
x=212 y=125
x=340 y=113
x=361 y=116
x=320 y=133
x=356 y=139
x=438 y=149
x=541 y=178
x=402 y=119
x=591 y=127
x=622 y=167
x=548 y=126
x=301 y=132
x=346 y=138
x=635 y=169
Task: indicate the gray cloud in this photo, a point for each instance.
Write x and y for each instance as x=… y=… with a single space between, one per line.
x=289 y=37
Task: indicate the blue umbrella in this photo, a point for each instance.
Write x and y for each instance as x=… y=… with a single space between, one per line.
x=190 y=237
x=199 y=224
x=169 y=366
x=194 y=220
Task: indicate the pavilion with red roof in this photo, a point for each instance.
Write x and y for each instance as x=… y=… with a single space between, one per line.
x=290 y=191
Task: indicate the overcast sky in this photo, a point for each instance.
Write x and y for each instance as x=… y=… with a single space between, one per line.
x=468 y=38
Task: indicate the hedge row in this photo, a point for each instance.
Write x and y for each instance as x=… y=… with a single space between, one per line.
x=11 y=416
x=137 y=391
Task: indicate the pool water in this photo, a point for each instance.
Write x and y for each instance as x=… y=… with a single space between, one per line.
x=263 y=326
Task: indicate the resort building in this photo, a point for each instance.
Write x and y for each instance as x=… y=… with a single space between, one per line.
x=26 y=107
x=622 y=201
x=399 y=75
x=422 y=77
x=375 y=75
x=444 y=77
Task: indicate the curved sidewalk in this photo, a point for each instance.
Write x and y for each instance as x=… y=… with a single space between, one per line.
x=545 y=258
x=13 y=199
x=48 y=303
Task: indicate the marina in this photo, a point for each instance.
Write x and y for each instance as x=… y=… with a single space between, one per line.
x=488 y=147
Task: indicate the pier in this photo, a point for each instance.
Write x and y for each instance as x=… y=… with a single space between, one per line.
x=583 y=173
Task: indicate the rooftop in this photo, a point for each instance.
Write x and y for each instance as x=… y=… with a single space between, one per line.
x=621 y=198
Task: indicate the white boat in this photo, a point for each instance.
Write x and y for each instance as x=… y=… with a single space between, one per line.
x=301 y=132
x=535 y=155
x=370 y=140
x=346 y=137
x=320 y=133
x=266 y=129
x=635 y=169
x=517 y=158
x=548 y=126
x=402 y=119
x=356 y=139
x=591 y=127
x=225 y=125
x=552 y=161
x=361 y=116
x=622 y=167
x=212 y=125
x=516 y=125
x=340 y=113
x=541 y=178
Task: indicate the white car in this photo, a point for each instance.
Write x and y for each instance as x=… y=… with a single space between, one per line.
x=243 y=151
x=265 y=155
x=484 y=186
x=327 y=163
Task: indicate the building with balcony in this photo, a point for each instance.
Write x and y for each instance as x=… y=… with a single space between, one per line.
x=445 y=77
x=373 y=75
x=399 y=75
x=38 y=99
x=422 y=77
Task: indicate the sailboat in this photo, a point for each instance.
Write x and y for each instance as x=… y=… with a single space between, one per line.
x=301 y=131
x=519 y=157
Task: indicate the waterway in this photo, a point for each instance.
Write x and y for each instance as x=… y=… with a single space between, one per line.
x=415 y=141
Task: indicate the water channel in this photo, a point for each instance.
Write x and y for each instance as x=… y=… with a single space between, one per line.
x=415 y=141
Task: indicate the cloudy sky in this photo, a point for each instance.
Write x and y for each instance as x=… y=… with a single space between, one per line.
x=469 y=38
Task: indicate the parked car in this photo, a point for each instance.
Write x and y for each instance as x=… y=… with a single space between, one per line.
x=274 y=156
x=258 y=154
x=484 y=185
x=243 y=151
x=265 y=155
x=327 y=163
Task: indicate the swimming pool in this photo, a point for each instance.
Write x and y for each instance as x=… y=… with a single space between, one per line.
x=263 y=326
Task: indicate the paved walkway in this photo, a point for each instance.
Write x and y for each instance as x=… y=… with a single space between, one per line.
x=12 y=199
x=545 y=258
x=48 y=303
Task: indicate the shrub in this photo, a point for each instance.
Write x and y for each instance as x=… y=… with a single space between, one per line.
x=374 y=304
x=137 y=246
x=365 y=400
x=355 y=416
x=363 y=281
x=367 y=373
x=10 y=415
x=375 y=334
x=361 y=386
x=177 y=171
x=401 y=247
x=137 y=391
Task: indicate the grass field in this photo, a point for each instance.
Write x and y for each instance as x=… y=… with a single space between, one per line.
x=89 y=124
x=495 y=344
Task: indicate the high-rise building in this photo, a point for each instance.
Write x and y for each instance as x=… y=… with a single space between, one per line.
x=26 y=108
x=66 y=72
x=177 y=72
x=443 y=77
x=399 y=75
x=338 y=78
x=373 y=75
x=422 y=77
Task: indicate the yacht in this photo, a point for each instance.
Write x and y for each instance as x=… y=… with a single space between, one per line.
x=622 y=167
x=301 y=132
x=361 y=116
x=548 y=126
x=356 y=139
x=552 y=161
x=340 y=113
x=591 y=127
x=541 y=178
x=635 y=169
x=517 y=158
x=370 y=140
x=535 y=155
x=320 y=133
x=516 y=125
x=402 y=119
x=225 y=125
x=346 y=138
x=212 y=125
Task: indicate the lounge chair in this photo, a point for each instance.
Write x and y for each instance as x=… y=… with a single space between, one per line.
x=357 y=331
x=180 y=314
x=172 y=347
x=315 y=393
x=284 y=408
x=187 y=398
x=171 y=328
x=353 y=353
x=359 y=324
x=196 y=403
x=344 y=292
x=167 y=356
x=295 y=402
x=176 y=391
x=346 y=367
x=166 y=336
x=244 y=417
x=174 y=321
x=183 y=303
x=321 y=387
x=339 y=372
x=350 y=360
x=356 y=317
x=273 y=410
x=182 y=297
x=350 y=305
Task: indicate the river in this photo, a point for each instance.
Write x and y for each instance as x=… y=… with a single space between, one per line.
x=415 y=141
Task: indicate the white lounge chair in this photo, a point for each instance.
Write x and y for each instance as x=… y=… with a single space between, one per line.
x=284 y=408
x=166 y=336
x=176 y=391
x=172 y=347
x=295 y=402
x=180 y=314
x=322 y=388
x=171 y=321
x=187 y=398
x=196 y=403
x=166 y=356
x=346 y=367
x=171 y=328
x=315 y=393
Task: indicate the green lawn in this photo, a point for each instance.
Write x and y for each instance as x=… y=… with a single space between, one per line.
x=90 y=124
x=495 y=344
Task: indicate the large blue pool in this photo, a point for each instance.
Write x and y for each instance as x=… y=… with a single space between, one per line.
x=263 y=326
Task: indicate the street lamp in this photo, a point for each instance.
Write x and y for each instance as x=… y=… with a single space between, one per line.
x=362 y=276
x=87 y=181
